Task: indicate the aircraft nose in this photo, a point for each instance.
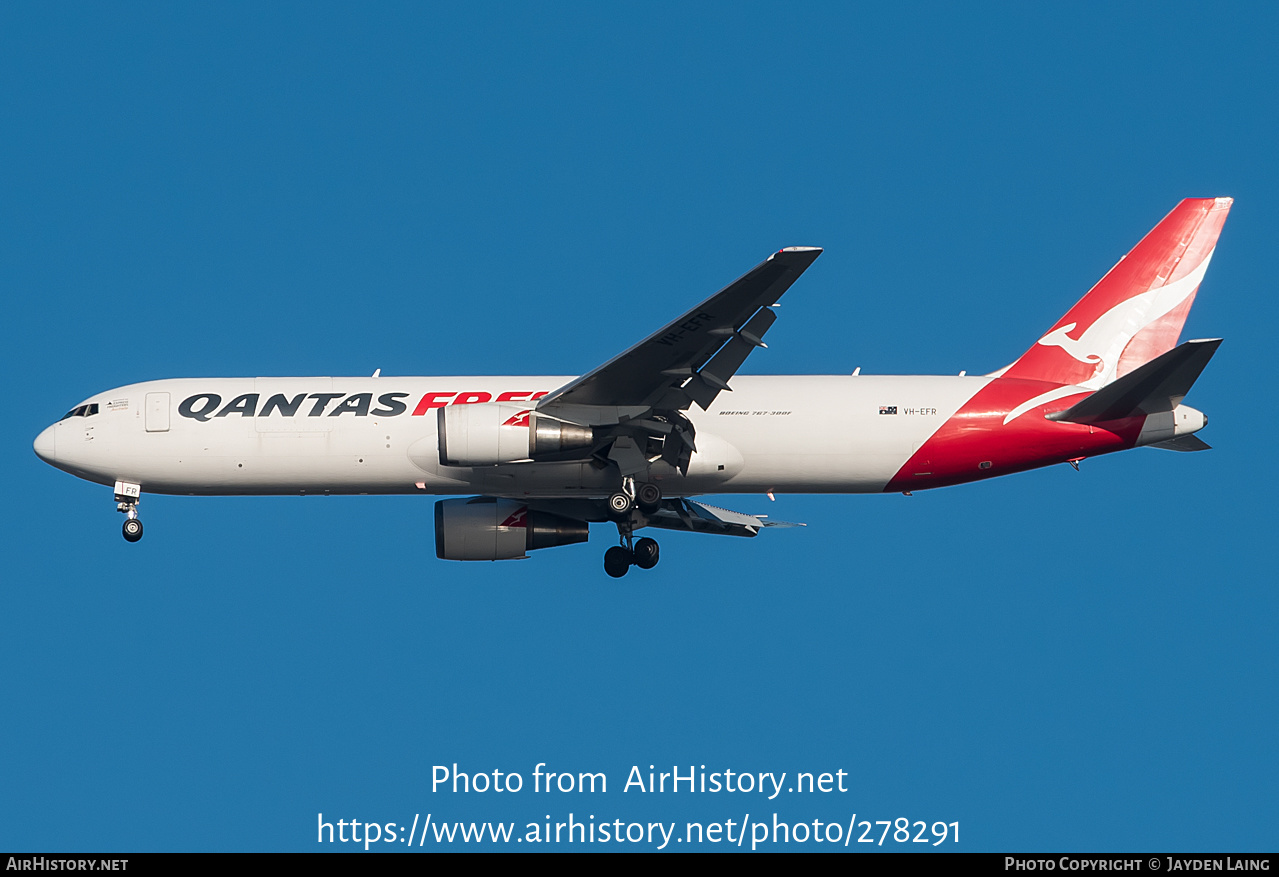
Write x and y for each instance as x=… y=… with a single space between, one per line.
x=46 y=444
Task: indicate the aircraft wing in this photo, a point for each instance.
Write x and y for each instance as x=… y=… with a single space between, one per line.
x=692 y=358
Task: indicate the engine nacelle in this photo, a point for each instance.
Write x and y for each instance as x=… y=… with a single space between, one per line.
x=492 y=433
x=548 y=437
x=484 y=528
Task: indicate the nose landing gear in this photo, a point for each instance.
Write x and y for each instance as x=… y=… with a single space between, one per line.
x=127 y=497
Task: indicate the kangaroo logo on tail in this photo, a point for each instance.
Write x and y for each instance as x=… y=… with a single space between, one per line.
x=1135 y=312
x=1104 y=341
x=1060 y=338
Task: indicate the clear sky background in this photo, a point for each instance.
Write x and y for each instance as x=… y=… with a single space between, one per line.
x=1056 y=660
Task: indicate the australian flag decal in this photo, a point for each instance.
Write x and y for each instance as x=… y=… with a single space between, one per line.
x=887 y=409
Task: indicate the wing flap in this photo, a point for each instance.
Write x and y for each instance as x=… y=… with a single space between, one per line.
x=697 y=517
x=714 y=376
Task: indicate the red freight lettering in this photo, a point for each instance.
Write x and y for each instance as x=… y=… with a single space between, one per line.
x=471 y=398
x=431 y=400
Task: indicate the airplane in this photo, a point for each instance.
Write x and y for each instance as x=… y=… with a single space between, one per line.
x=634 y=440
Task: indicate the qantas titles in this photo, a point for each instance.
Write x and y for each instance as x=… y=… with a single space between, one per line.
x=206 y=406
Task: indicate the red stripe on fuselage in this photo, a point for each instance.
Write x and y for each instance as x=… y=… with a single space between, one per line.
x=977 y=434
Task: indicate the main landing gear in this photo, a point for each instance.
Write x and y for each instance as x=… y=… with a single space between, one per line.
x=127 y=497
x=644 y=553
x=619 y=559
x=646 y=496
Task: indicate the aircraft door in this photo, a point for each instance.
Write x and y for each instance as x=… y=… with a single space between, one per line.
x=157 y=409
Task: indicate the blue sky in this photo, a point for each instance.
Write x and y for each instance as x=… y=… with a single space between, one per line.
x=1056 y=660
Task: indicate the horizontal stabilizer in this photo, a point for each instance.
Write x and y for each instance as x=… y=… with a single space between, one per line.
x=684 y=514
x=1157 y=386
x=1184 y=443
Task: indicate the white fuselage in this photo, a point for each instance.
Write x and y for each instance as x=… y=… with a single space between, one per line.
x=219 y=436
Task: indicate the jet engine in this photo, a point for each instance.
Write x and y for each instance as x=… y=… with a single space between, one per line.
x=485 y=528
x=488 y=434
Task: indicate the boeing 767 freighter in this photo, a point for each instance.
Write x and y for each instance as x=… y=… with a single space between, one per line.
x=632 y=440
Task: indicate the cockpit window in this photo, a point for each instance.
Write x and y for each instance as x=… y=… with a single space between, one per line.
x=82 y=411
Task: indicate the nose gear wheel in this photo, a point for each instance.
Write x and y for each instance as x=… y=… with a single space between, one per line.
x=132 y=528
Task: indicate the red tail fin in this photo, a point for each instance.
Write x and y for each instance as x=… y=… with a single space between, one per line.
x=1134 y=313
